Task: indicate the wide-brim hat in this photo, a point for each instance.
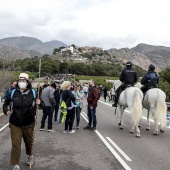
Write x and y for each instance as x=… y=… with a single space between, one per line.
x=23 y=76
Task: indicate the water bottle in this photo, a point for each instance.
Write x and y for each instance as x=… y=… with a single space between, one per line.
x=168 y=120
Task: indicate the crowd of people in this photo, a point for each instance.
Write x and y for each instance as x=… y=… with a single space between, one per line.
x=22 y=101
x=21 y=104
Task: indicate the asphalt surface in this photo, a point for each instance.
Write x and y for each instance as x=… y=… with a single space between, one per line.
x=107 y=148
x=57 y=151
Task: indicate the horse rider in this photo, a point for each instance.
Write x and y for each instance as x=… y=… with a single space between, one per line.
x=128 y=77
x=150 y=79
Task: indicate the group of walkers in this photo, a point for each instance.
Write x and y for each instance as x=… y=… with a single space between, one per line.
x=21 y=105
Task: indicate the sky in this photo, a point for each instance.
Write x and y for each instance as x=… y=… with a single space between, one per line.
x=100 y=23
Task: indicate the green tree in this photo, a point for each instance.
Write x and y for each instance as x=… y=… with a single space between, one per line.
x=64 y=67
x=165 y=74
x=56 y=50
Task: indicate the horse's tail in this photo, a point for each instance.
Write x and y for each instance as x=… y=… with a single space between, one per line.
x=137 y=108
x=160 y=109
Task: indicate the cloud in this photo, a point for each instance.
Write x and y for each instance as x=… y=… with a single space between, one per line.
x=104 y=23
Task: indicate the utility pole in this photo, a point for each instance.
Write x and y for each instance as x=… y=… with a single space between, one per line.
x=74 y=78
x=39 y=68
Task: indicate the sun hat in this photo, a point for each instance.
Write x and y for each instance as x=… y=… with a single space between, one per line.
x=23 y=76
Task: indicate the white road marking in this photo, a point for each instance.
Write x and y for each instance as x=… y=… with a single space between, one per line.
x=4 y=127
x=146 y=119
x=84 y=117
x=84 y=114
x=104 y=103
x=122 y=162
x=117 y=147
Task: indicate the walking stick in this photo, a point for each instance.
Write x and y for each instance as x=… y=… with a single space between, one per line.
x=35 y=125
x=36 y=111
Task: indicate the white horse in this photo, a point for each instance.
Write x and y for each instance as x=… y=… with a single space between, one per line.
x=131 y=97
x=154 y=102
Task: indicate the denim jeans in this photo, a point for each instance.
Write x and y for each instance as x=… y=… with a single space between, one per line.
x=92 y=115
x=47 y=111
x=85 y=94
x=77 y=115
x=56 y=111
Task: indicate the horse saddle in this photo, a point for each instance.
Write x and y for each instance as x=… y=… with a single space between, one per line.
x=124 y=88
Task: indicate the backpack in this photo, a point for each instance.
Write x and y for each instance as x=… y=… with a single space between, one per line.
x=7 y=93
x=33 y=92
x=63 y=110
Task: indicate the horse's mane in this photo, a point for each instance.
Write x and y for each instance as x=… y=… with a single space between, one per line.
x=117 y=83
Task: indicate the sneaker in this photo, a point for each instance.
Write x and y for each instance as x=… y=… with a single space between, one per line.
x=87 y=127
x=65 y=131
x=50 y=130
x=71 y=131
x=29 y=160
x=16 y=167
x=42 y=129
x=77 y=127
x=93 y=128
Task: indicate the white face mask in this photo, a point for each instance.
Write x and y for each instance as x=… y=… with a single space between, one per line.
x=22 y=85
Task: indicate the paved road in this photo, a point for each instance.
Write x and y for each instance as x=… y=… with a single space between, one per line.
x=147 y=153
x=105 y=149
x=57 y=151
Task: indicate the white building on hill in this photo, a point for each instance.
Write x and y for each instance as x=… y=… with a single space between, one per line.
x=71 y=48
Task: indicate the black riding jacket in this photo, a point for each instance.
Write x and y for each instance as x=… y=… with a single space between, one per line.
x=150 y=79
x=128 y=76
x=22 y=107
x=68 y=97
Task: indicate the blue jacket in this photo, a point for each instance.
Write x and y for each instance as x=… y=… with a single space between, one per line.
x=151 y=78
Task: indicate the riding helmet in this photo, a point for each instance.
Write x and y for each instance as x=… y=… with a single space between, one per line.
x=151 y=67
x=129 y=64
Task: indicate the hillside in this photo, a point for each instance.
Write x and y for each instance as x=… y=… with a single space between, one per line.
x=31 y=44
x=141 y=55
x=126 y=54
x=158 y=55
x=55 y=44
x=12 y=53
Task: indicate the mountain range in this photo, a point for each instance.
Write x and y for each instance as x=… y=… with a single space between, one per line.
x=32 y=44
x=141 y=55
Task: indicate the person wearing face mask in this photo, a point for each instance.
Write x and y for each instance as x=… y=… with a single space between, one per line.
x=22 y=102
